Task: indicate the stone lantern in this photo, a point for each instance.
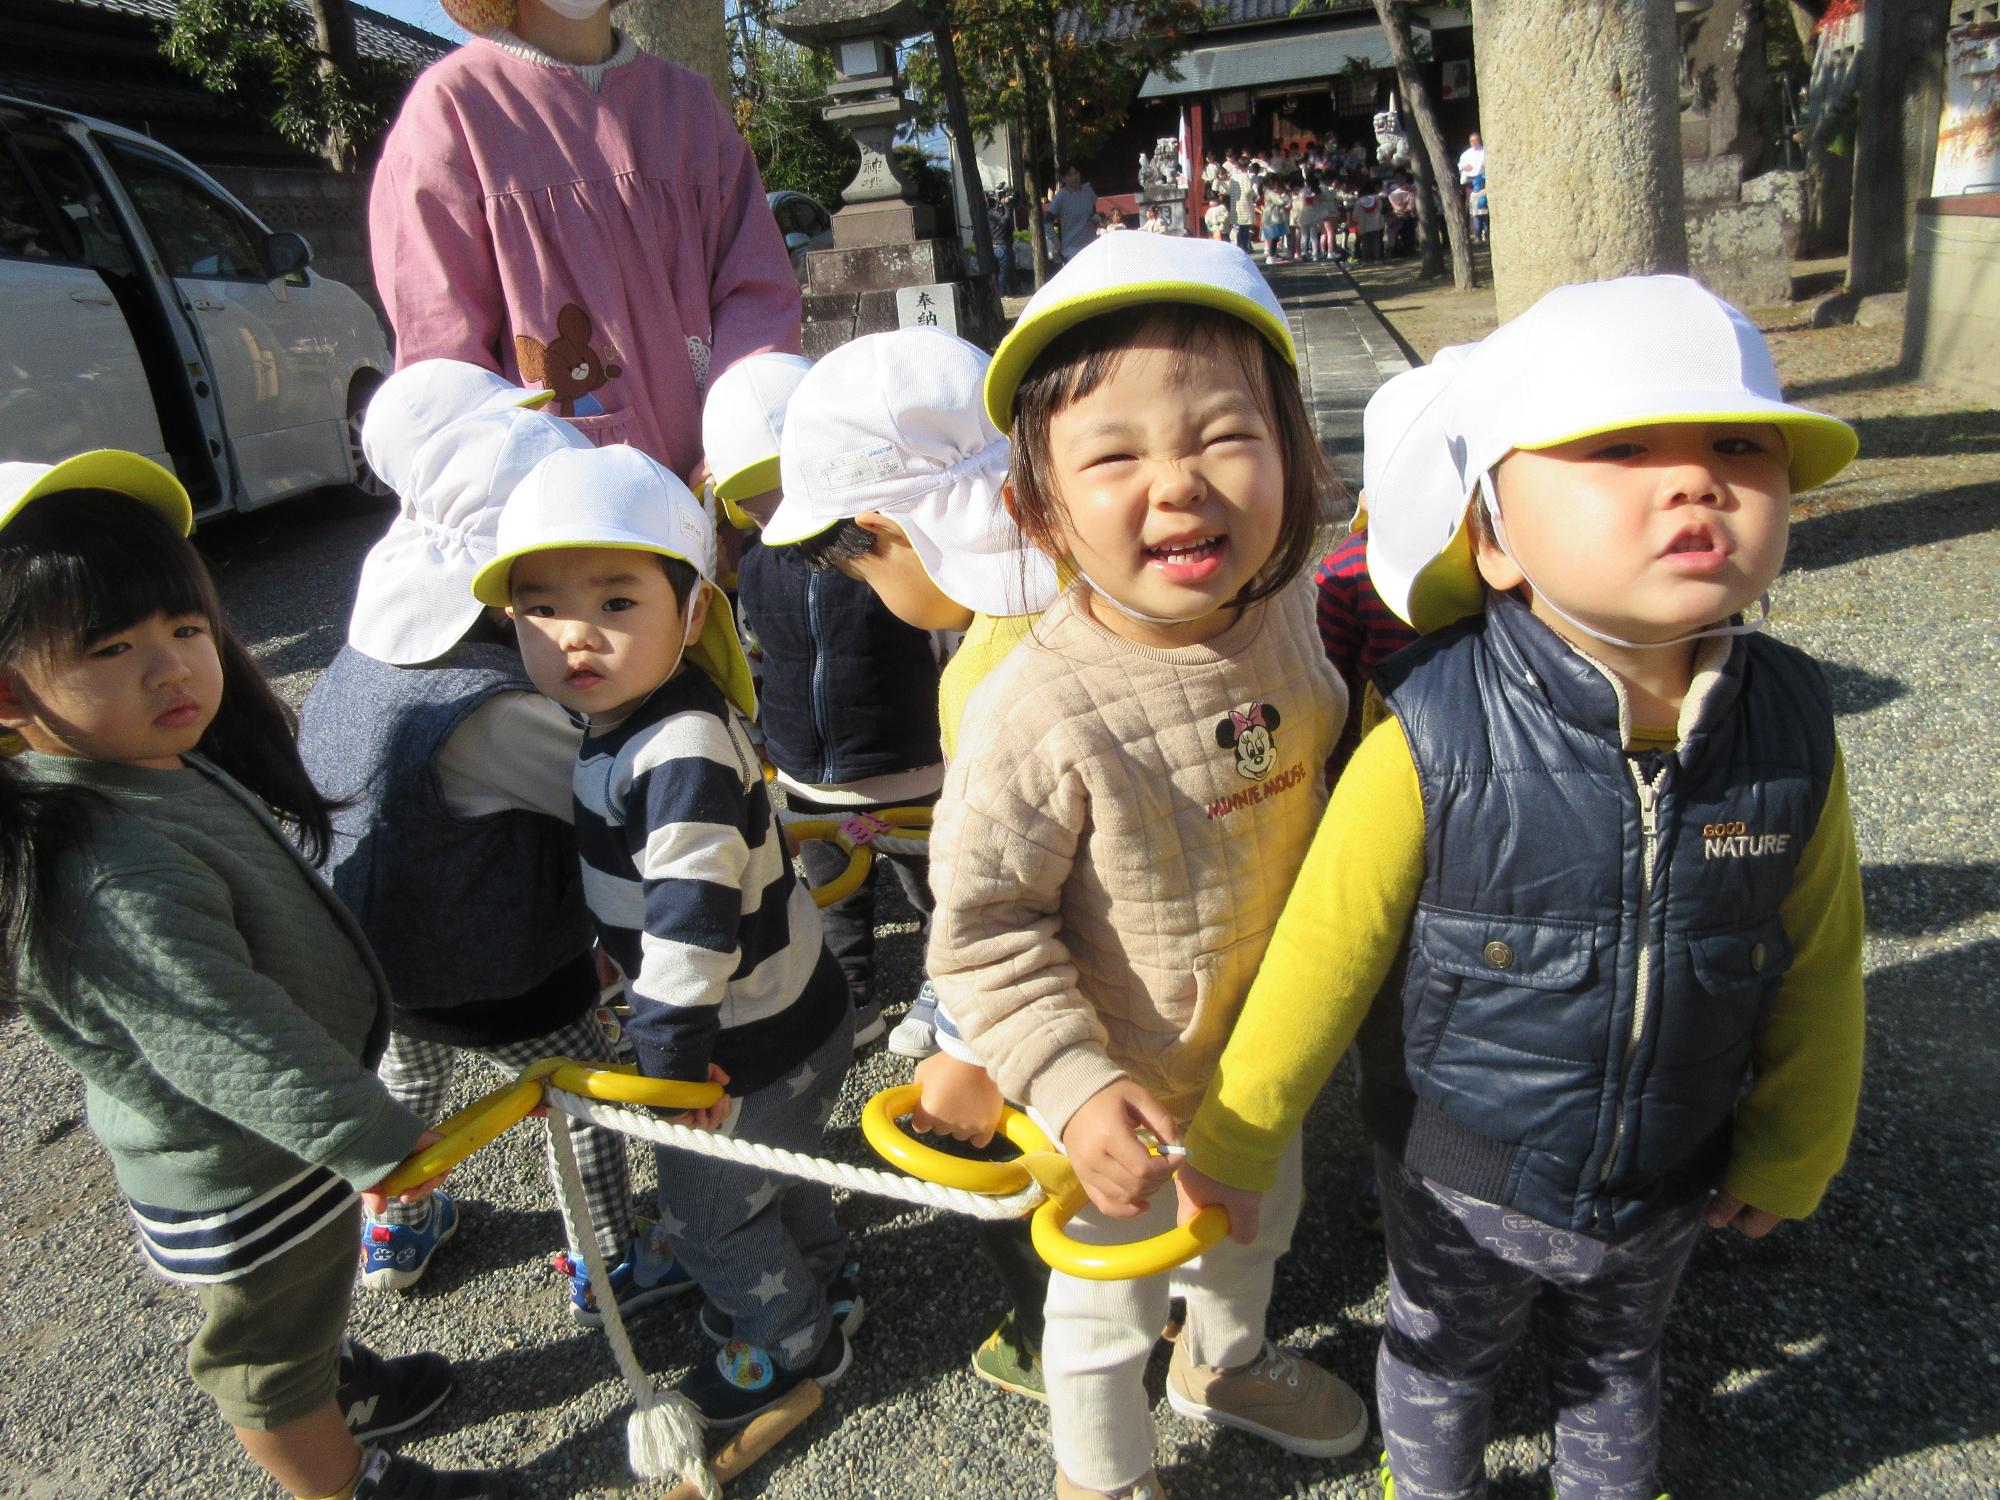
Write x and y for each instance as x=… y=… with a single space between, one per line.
x=889 y=267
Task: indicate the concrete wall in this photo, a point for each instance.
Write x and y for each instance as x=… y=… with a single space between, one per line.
x=1951 y=333
x=329 y=208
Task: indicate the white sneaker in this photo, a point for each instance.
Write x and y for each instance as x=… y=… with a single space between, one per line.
x=916 y=1034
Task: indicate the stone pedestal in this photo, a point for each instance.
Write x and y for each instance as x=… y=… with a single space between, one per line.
x=888 y=267
x=1738 y=245
x=1172 y=204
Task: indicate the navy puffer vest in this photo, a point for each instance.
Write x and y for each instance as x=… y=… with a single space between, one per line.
x=849 y=690
x=1597 y=935
x=460 y=910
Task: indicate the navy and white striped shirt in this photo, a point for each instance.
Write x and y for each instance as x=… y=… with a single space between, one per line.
x=693 y=893
x=207 y=1245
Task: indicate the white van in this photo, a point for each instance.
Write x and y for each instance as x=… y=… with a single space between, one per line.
x=143 y=307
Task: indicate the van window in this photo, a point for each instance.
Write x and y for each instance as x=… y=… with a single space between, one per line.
x=198 y=233
x=74 y=193
x=26 y=230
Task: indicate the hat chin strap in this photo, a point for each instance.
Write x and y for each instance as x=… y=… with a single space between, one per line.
x=1491 y=501
x=1133 y=614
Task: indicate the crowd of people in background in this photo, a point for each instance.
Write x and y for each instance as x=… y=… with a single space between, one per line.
x=1303 y=201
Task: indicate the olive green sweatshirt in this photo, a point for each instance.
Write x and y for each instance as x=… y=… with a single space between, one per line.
x=222 y=1006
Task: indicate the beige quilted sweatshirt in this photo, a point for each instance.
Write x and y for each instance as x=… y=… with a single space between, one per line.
x=1116 y=839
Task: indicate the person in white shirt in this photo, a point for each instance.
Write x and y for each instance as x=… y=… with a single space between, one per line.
x=1471 y=161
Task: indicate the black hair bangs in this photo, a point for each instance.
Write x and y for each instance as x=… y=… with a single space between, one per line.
x=84 y=564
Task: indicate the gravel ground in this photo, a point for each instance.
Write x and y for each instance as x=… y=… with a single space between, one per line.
x=1792 y=1364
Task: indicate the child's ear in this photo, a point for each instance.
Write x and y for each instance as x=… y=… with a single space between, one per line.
x=1501 y=573
x=704 y=593
x=14 y=709
x=885 y=531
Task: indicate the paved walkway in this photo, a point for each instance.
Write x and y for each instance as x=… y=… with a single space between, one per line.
x=1345 y=352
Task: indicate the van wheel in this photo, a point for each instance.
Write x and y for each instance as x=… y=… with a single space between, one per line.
x=367 y=482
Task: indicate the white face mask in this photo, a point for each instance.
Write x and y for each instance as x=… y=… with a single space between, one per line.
x=576 y=10
x=1491 y=501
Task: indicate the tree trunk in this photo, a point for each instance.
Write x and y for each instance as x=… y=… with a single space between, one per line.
x=1031 y=175
x=1579 y=105
x=1895 y=137
x=689 y=32
x=966 y=148
x=333 y=35
x=1430 y=156
x=1052 y=95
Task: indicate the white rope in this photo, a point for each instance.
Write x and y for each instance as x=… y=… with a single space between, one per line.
x=663 y=1435
x=796 y=1163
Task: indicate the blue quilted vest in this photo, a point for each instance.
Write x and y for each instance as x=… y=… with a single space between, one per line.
x=1597 y=936
x=460 y=910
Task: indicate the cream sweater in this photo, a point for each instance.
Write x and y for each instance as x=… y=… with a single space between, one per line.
x=1117 y=835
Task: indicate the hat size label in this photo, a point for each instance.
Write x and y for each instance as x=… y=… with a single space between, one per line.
x=861 y=470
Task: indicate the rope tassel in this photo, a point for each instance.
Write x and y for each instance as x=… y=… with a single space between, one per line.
x=663 y=1436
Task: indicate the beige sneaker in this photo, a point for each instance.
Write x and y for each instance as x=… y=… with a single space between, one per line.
x=1147 y=1488
x=1280 y=1397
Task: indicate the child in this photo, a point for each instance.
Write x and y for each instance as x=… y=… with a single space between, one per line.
x=173 y=947
x=1277 y=219
x=923 y=527
x=1596 y=809
x=450 y=777
x=603 y=563
x=1135 y=787
x=849 y=692
x=1215 y=218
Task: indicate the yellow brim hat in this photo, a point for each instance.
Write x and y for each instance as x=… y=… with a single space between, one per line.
x=1117 y=271
x=619 y=498
x=1594 y=358
x=114 y=469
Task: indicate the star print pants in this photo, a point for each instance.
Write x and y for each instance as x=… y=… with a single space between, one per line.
x=764 y=1247
x=1465 y=1279
x=416 y=1073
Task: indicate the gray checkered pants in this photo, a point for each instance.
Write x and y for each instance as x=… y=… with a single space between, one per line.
x=416 y=1073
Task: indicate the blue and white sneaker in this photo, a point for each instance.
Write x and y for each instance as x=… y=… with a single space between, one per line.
x=394 y=1257
x=916 y=1034
x=648 y=1274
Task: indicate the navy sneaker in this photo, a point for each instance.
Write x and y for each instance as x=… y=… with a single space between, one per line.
x=843 y=1303
x=380 y=1396
x=743 y=1380
x=648 y=1274
x=385 y=1476
x=394 y=1257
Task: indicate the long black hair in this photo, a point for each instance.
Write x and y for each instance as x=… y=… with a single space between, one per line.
x=76 y=567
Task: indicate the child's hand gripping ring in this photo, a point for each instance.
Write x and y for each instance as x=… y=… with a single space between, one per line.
x=1041 y=1162
x=490 y=1116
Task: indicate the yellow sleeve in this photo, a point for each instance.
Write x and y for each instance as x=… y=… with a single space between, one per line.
x=1332 y=948
x=1793 y=1127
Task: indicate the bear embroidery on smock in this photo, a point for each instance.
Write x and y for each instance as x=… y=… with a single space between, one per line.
x=567 y=364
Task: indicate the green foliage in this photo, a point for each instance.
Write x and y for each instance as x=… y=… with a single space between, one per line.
x=779 y=90
x=1013 y=53
x=264 y=56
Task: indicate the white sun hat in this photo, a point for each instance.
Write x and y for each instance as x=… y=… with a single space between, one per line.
x=1587 y=359
x=741 y=420
x=1410 y=483
x=413 y=405
x=1123 y=270
x=129 y=474
x=618 y=497
x=892 y=422
x=414 y=601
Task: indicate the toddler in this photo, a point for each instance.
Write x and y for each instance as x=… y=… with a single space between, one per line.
x=603 y=561
x=1587 y=894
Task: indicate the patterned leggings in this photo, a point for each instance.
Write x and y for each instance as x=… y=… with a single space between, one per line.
x=417 y=1073
x=1465 y=1278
